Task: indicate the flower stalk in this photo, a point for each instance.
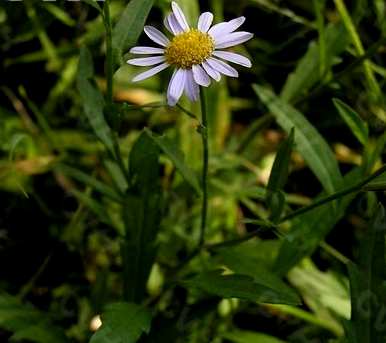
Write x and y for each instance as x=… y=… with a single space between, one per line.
x=205 y=144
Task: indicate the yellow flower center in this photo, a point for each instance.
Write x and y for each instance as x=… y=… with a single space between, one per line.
x=189 y=48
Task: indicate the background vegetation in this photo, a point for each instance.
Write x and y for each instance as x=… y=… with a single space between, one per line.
x=101 y=216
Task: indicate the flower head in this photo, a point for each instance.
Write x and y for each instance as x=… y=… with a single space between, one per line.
x=195 y=53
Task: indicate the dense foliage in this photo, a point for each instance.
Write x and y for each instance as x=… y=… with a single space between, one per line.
x=101 y=185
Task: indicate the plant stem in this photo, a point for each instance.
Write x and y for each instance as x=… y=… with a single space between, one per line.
x=350 y=27
x=355 y=188
x=204 y=135
x=109 y=87
x=337 y=195
x=109 y=54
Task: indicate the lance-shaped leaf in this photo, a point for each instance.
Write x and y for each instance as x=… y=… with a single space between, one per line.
x=141 y=213
x=129 y=27
x=238 y=286
x=310 y=144
x=92 y=100
x=307 y=74
x=367 y=283
x=278 y=178
x=358 y=127
x=177 y=157
x=310 y=228
x=246 y=259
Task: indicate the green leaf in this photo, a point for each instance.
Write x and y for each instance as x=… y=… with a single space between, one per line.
x=94 y=206
x=358 y=127
x=92 y=99
x=246 y=259
x=141 y=213
x=305 y=75
x=311 y=228
x=237 y=286
x=93 y=3
x=129 y=27
x=177 y=157
x=91 y=181
x=27 y=323
x=241 y=336
x=122 y=323
x=310 y=144
x=144 y=165
x=280 y=168
x=278 y=178
x=59 y=14
x=367 y=285
x=378 y=184
x=39 y=333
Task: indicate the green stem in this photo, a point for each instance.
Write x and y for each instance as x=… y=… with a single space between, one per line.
x=356 y=188
x=109 y=53
x=109 y=87
x=334 y=196
x=350 y=27
x=204 y=135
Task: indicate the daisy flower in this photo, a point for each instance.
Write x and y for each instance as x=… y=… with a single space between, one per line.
x=195 y=53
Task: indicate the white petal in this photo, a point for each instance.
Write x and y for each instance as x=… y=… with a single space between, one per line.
x=166 y=24
x=218 y=30
x=176 y=86
x=234 y=58
x=214 y=74
x=232 y=39
x=180 y=16
x=146 y=50
x=222 y=67
x=156 y=35
x=200 y=76
x=172 y=24
x=146 y=61
x=234 y=24
x=150 y=72
x=192 y=90
x=205 y=21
